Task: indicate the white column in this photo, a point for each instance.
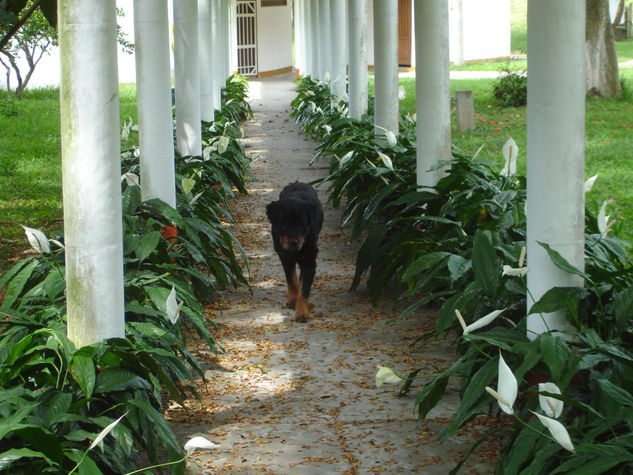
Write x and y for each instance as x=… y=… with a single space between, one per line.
x=217 y=74
x=206 y=60
x=338 y=48
x=458 y=37
x=555 y=149
x=307 y=38
x=187 y=78
x=91 y=170
x=315 y=37
x=432 y=89
x=357 y=44
x=153 y=91
x=325 y=60
x=232 y=32
x=386 y=66
x=224 y=28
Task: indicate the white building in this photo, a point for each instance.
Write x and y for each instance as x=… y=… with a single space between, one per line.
x=264 y=40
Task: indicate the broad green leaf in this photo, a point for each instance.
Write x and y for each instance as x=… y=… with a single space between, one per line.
x=555 y=353
x=558 y=298
x=83 y=370
x=458 y=266
x=118 y=379
x=615 y=393
x=12 y=455
x=16 y=285
x=562 y=263
x=624 y=308
x=485 y=265
x=430 y=395
x=147 y=245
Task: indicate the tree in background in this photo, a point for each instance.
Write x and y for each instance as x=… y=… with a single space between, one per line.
x=603 y=76
x=31 y=41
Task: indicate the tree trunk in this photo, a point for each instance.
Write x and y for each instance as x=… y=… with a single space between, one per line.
x=603 y=77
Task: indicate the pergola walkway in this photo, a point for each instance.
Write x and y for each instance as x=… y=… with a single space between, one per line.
x=294 y=398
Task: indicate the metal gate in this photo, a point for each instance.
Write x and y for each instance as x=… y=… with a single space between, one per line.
x=247 y=37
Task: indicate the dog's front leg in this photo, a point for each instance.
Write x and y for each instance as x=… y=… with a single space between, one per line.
x=290 y=269
x=308 y=270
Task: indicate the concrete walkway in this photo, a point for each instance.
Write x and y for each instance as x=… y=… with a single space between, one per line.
x=293 y=398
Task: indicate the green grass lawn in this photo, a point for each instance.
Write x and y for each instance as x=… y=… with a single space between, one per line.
x=609 y=139
x=30 y=166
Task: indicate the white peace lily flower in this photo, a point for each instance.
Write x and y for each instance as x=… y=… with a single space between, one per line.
x=402 y=93
x=507 y=388
x=206 y=153
x=346 y=158
x=386 y=160
x=462 y=322
x=212 y=128
x=386 y=376
x=551 y=406
x=58 y=244
x=223 y=144
x=319 y=110
x=172 y=307
x=557 y=430
x=309 y=93
x=391 y=138
x=199 y=443
x=515 y=271
x=106 y=430
x=312 y=106
x=483 y=321
x=37 y=239
x=131 y=179
x=327 y=129
x=510 y=152
x=589 y=183
x=604 y=225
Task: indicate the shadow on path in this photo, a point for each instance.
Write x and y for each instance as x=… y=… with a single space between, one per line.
x=293 y=398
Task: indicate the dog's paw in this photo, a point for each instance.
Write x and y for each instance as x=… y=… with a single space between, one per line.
x=290 y=304
x=301 y=318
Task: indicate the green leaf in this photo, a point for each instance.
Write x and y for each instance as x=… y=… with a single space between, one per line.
x=624 y=308
x=615 y=393
x=458 y=266
x=16 y=285
x=12 y=455
x=562 y=263
x=430 y=395
x=82 y=368
x=148 y=244
x=118 y=379
x=484 y=263
x=558 y=298
x=555 y=353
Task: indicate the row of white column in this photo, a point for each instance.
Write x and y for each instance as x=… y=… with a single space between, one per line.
x=90 y=126
x=90 y=122
x=556 y=105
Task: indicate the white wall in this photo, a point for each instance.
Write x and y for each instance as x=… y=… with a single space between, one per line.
x=486 y=29
x=274 y=37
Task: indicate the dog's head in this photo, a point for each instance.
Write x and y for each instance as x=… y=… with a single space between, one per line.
x=291 y=221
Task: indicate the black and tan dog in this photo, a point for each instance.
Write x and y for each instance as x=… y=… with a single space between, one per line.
x=296 y=220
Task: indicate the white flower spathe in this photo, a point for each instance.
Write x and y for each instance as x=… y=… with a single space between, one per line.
x=557 y=430
x=483 y=321
x=37 y=240
x=106 y=430
x=515 y=271
x=386 y=160
x=604 y=225
x=589 y=183
x=172 y=307
x=551 y=406
x=510 y=152
x=391 y=138
x=386 y=376
x=506 y=387
x=199 y=443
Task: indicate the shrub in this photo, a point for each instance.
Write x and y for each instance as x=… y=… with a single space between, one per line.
x=510 y=89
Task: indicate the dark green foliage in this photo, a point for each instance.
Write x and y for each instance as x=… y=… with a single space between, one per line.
x=447 y=247
x=55 y=398
x=510 y=89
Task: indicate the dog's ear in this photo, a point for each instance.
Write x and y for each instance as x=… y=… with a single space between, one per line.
x=272 y=211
